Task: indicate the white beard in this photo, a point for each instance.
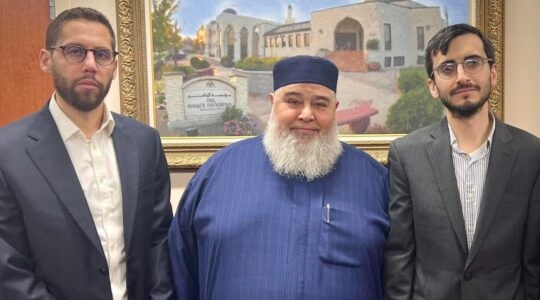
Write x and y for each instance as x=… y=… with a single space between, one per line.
x=293 y=156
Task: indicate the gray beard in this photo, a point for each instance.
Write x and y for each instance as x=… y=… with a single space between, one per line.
x=292 y=157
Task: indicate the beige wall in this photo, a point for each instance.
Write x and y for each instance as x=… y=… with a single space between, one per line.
x=522 y=70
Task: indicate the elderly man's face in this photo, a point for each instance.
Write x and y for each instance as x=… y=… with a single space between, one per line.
x=301 y=139
x=306 y=110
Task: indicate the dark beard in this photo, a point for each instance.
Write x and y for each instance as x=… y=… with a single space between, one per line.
x=81 y=101
x=468 y=109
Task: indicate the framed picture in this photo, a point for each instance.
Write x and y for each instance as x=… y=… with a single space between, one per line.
x=201 y=73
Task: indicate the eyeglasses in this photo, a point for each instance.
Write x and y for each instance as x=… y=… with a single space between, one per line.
x=76 y=54
x=473 y=65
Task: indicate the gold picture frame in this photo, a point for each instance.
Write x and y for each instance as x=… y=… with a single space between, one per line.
x=190 y=152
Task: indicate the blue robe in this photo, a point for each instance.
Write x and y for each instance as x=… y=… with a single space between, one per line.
x=242 y=231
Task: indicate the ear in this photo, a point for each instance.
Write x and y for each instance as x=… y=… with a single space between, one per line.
x=45 y=60
x=493 y=73
x=433 y=88
x=115 y=71
x=337 y=104
x=271 y=98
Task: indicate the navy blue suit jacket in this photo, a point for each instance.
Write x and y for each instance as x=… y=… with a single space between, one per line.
x=49 y=245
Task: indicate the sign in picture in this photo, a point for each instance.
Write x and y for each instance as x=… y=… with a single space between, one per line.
x=201 y=103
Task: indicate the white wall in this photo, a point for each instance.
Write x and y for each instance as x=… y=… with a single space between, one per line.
x=522 y=69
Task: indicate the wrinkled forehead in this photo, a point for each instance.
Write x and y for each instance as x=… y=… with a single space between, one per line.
x=81 y=31
x=311 y=90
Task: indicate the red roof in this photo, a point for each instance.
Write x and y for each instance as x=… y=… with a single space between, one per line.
x=355 y=113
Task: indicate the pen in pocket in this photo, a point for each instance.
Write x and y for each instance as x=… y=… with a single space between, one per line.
x=327 y=207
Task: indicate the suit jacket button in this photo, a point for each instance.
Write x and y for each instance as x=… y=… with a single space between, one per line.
x=103 y=271
x=467 y=276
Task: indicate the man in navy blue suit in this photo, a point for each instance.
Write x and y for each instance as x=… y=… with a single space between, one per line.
x=84 y=192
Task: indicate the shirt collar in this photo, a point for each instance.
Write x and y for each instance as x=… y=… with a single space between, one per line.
x=487 y=143
x=67 y=128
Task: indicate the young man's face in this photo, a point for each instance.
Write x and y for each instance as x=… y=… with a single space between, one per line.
x=83 y=85
x=465 y=93
x=305 y=110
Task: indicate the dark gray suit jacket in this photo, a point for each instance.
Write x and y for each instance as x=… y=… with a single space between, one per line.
x=427 y=255
x=49 y=246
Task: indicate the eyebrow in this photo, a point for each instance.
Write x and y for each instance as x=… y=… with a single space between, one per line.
x=317 y=97
x=292 y=94
x=467 y=57
x=474 y=56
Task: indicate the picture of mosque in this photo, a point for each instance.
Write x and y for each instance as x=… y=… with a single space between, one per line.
x=374 y=44
x=377 y=32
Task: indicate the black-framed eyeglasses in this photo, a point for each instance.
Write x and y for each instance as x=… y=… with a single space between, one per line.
x=76 y=54
x=472 y=65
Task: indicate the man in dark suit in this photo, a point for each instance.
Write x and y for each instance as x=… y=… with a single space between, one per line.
x=465 y=192
x=84 y=192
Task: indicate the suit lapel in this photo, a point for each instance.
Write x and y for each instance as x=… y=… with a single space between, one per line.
x=48 y=152
x=440 y=158
x=128 y=167
x=501 y=159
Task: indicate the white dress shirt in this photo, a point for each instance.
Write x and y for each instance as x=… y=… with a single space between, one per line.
x=95 y=163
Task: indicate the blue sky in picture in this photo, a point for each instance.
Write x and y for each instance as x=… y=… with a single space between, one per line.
x=194 y=13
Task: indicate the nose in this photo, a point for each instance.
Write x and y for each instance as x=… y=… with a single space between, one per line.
x=461 y=75
x=90 y=61
x=306 y=114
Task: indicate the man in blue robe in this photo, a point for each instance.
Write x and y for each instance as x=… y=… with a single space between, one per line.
x=295 y=214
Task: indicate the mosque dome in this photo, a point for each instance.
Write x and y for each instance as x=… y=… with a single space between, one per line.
x=230 y=11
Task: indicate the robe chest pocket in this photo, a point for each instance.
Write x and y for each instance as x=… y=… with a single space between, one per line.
x=340 y=240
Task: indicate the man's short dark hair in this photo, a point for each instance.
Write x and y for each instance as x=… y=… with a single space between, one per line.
x=440 y=43
x=78 y=13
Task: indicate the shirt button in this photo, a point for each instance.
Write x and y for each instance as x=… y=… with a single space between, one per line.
x=467 y=276
x=103 y=271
